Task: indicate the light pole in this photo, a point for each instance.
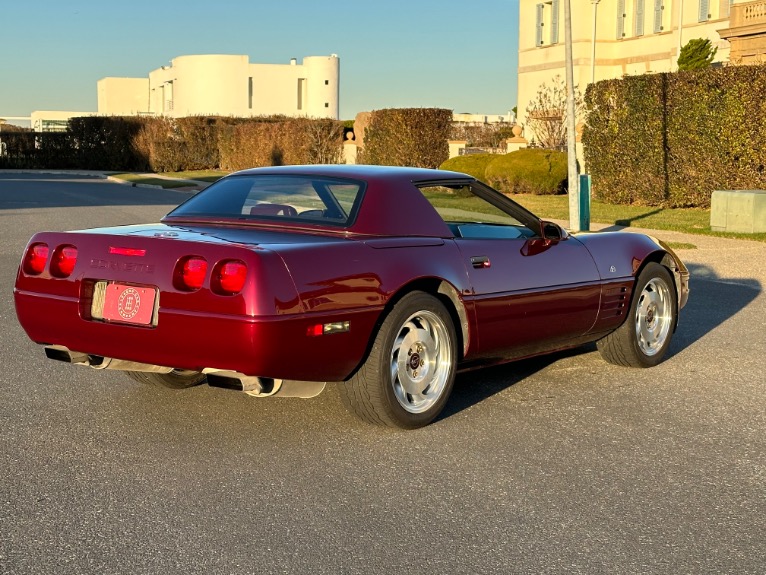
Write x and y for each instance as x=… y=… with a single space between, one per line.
x=593 y=43
x=572 y=178
x=680 y=31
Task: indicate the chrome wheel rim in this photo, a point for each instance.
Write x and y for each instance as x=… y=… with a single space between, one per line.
x=421 y=361
x=653 y=317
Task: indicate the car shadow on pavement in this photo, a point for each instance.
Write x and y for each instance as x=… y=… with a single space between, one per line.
x=712 y=301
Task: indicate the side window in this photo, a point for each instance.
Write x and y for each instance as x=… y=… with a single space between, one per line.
x=470 y=216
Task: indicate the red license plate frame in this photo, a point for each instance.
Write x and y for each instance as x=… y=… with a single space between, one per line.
x=130 y=304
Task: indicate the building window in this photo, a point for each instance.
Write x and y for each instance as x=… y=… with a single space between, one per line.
x=704 y=14
x=638 y=23
x=301 y=89
x=250 y=93
x=547 y=16
x=659 y=12
x=327 y=82
x=326 y=104
x=621 y=17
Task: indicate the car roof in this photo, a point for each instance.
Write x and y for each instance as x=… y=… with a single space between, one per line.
x=392 y=205
x=360 y=171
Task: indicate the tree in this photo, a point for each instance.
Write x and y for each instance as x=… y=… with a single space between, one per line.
x=325 y=141
x=696 y=55
x=546 y=114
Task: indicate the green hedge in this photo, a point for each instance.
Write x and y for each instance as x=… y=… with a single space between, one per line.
x=407 y=137
x=32 y=150
x=281 y=141
x=525 y=171
x=472 y=164
x=529 y=171
x=139 y=143
x=670 y=140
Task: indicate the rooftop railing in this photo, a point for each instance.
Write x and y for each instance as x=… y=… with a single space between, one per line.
x=747 y=14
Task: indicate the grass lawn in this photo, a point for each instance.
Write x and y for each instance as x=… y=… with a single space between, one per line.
x=687 y=220
x=171 y=179
x=148 y=179
x=199 y=175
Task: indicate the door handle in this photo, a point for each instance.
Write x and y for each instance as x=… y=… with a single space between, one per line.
x=480 y=262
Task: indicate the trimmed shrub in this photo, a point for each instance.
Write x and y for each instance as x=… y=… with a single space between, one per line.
x=25 y=149
x=669 y=140
x=407 y=137
x=529 y=171
x=106 y=142
x=280 y=140
x=159 y=144
x=472 y=164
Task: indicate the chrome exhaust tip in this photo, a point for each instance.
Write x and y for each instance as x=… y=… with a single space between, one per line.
x=263 y=386
x=62 y=353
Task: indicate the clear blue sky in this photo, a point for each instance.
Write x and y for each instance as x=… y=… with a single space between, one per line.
x=456 y=54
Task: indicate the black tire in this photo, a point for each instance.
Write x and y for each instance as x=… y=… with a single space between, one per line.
x=176 y=379
x=406 y=391
x=644 y=337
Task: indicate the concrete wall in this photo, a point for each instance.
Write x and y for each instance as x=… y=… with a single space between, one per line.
x=275 y=89
x=123 y=96
x=323 y=89
x=309 y=89
x=204 y=85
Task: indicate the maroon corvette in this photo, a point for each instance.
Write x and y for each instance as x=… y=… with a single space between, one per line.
x=387 y=281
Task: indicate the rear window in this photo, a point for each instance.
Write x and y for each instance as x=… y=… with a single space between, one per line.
x=277 y=197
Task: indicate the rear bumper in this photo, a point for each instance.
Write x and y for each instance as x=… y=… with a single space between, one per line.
x=277 y=347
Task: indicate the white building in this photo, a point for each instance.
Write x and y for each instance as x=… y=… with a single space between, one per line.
x=53 y=120
x=480 y=119
x=227 y=85
x=614 y=38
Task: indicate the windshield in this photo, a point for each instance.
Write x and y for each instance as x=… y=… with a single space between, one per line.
x=311 y=199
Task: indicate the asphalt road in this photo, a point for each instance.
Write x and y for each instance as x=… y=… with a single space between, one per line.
x=563 y=464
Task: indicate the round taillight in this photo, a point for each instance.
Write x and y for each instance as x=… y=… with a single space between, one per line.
x=63 y=261
x=229 y=276
x=191 y=273
x=36 y=258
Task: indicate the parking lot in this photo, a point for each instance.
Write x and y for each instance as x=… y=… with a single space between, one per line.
x=556 y=464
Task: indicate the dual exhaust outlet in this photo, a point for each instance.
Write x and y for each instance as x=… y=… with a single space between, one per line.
x=252 y=385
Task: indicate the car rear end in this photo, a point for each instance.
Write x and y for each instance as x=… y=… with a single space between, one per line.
x=148 y=297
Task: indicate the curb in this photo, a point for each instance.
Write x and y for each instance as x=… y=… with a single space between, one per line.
x=91 y=174
x=133 y=184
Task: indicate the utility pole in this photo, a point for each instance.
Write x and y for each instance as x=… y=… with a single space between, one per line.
x=593 y=43
x=680 y=33
x=572 y=177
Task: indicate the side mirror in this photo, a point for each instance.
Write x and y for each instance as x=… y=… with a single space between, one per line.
x=552 y=231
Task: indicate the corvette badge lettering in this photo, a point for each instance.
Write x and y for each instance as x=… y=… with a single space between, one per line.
x=124 y=266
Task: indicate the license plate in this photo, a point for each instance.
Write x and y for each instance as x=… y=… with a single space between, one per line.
x=129 y=304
